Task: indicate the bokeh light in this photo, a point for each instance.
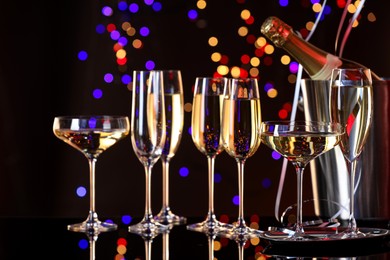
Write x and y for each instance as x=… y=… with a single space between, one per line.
x=236 y=200
x=81 y=191
x=217 y=177
x=184 y=172
x=126 y=219
x=83 y=243
x=276 y=155
x=107 y=11
x=97 y=93
x=254 y=59
x=82 y=55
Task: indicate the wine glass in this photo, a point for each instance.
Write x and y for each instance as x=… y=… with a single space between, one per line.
x=174 y=113
x=91 y=135
x=241 y=138
x=207 y=137
x=148 y=138
x=351 y=104
x=300 y=142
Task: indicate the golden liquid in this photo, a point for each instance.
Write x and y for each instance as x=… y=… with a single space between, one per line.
x=92 y=142
x=301 y=147
x=241 y=127
x=174 y=114
x=206 y=124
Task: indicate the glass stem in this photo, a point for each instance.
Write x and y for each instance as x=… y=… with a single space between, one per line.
x=241 y=251
x=165 y=183
x=92 y=249
x=241 y=220
x=148 y=249
x=299 y=224
x=92 y=211
x=148 y=210
x=211 y=247
x=165 y=246
x=352 y=222
x=210 y=163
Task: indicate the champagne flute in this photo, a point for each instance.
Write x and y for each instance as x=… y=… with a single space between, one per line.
x=207 y=137
x=300 y=142
x=241 y=138
x=148 y=138
x=91 y=135
x=351 y=104
x=174 y=112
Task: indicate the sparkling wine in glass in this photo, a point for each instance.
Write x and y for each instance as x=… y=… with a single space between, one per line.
x=91 y=135
x=207 y=137
x=300 y=142
x=148 y=131
x=351 y=105
x=174 y=113
x=241 y=138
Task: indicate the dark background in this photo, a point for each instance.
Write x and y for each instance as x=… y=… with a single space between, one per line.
x=41 y=77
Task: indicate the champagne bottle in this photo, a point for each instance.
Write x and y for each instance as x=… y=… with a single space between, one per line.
x=316 y=62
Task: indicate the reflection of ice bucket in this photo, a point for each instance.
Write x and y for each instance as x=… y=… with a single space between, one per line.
x=329 y=171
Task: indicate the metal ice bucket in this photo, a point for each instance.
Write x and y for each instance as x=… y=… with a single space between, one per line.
x=329 y=171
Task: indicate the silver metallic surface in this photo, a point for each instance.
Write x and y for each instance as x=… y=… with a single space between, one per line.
x=329 y=171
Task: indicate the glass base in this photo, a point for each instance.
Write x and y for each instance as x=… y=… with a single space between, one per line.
x=242 y=233
x=148 y=228
x=95 y=226
x=348 y=234
x=210 y=226
x=167 y=217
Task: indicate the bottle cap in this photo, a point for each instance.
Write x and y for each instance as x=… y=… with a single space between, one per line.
x=276 y=30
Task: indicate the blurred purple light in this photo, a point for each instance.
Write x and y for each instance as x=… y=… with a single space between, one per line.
x=294 y=67
x=83 y=243
x=115 y=35
x=217 y=177
x=150 y=65
x=126 y=79
x=144 y=31
x=327 y=9
x=82 y=55
x=92 y=122
x=109 y=221
x=283 y=2
x=107 y=11
x=148 y=2
x=97 y=93
x=184 y=171
x=108 y=77
x=133 y=8
x=157 y=6
x=81 y=191
x=123 y=41
x=100 y=28
x=126 y=219
x=276 y=155
x=122 y=5
x=268 y=86
x=236 y=200
x=192 y=14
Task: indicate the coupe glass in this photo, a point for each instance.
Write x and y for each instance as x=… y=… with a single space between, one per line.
x=207 y=137
x=241 y=138
x=174 y=112
x=300 y=142
x=91 y=135
x=148 y=138
x=351 y=105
